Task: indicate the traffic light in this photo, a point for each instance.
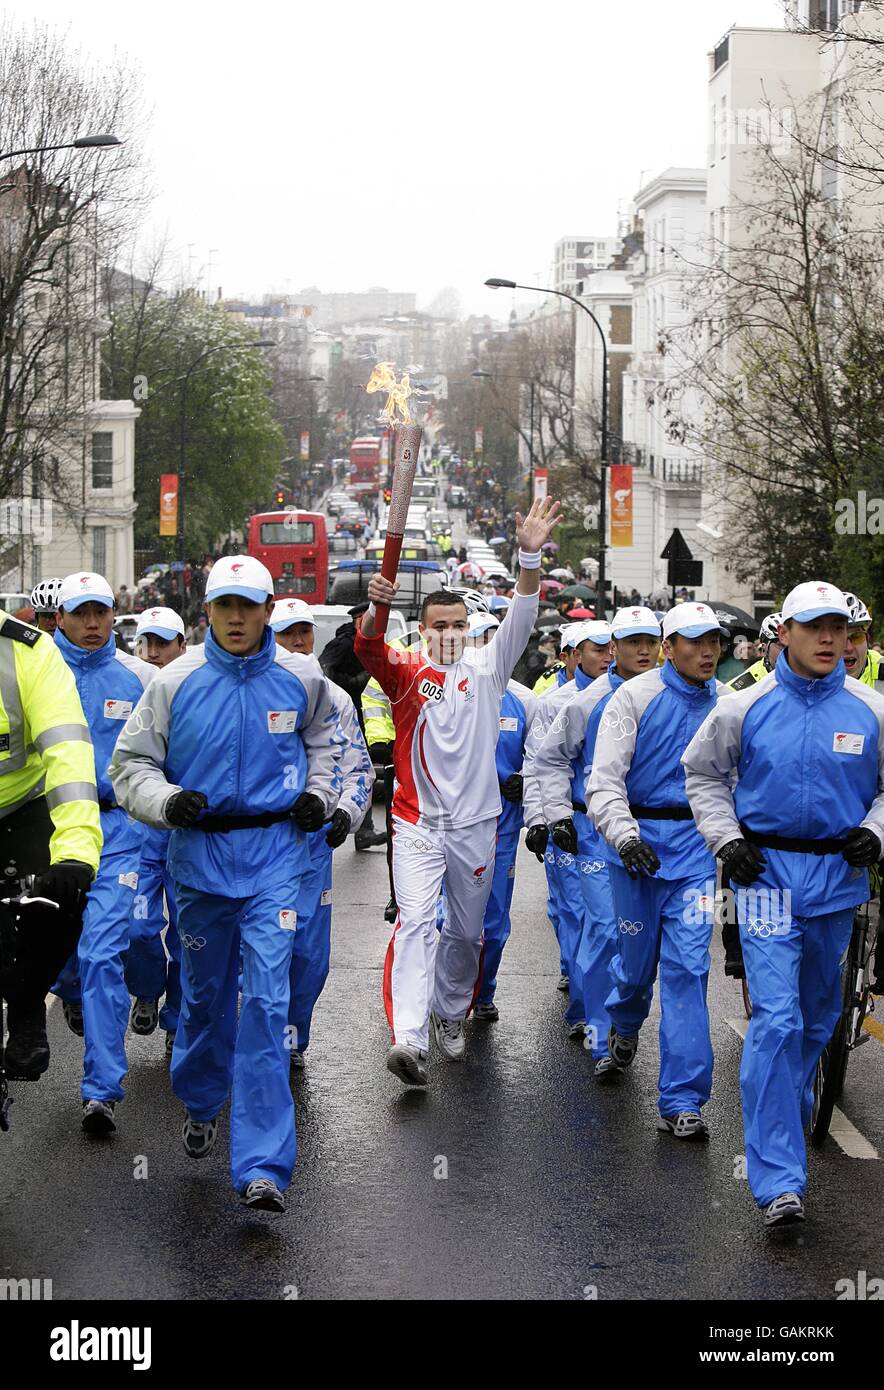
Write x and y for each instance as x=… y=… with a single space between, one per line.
x=279 y=497
x=388 y=493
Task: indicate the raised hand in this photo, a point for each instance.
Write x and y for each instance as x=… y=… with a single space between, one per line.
x=534 y=530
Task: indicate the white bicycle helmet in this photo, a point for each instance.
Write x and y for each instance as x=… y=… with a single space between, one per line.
x=859 y=614
x=769 y=628
x=44 y=596
x=474 y=601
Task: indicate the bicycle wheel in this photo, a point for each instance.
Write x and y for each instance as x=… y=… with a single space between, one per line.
x=830 y=1081
x=747 y=997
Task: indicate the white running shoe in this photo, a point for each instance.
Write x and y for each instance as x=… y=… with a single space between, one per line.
x=687 y=1124
x=199 y=1137
x=577 y=1030
x=98 y=1117
x=449 y=1036
x=784 y=1210
x=606 y=1071
x=263 y=1195
x=409 y=1064
x=145 y=1016
x=622 y=1047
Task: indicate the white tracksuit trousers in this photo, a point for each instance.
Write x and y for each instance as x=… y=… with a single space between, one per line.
x=426 y=969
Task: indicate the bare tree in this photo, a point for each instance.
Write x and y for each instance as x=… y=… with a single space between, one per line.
x=784 y=345
x=56 y=209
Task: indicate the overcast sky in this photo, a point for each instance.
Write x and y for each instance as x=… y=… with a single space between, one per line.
x=310 y=144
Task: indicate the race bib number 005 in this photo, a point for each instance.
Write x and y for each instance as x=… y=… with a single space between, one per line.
x=430 y=690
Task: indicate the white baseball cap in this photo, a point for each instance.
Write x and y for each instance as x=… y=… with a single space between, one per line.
x=814 y=600
x=84 y=587
x=590 y=630
x=242 y=575
x=287 y=611
x=631 y=622
x=691 y=620
x=162 y=622
x=479 y=623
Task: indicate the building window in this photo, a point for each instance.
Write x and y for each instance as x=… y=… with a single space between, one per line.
x=99 y=549
x=103 y=460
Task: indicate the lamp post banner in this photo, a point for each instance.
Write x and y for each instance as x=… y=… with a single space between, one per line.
x=621 y=504
x=541 y=483
x=168 y=504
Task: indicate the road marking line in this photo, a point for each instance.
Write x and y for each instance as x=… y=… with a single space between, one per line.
x=846 y=1135
x=874 y=1029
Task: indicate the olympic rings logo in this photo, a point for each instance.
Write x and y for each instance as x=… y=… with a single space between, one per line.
x=619 y=726
x=141 y=721
x=193 y=943
x=630 y=928
x=592 y=866
x=758 y=927
x=564 y=861
x=708 y=730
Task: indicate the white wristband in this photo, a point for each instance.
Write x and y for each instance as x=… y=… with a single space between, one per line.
x=529 y=559
x=371 y=611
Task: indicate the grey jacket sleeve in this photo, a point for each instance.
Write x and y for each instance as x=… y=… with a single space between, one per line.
x=532 y=802
x=608 y=799
x=137 y=768
x=552 y=762
x=356 y=766
x=321 y=733
x=710 y=763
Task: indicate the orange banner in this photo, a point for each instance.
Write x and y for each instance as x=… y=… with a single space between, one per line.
x=168 y=504
x=541 y=483
x=621 y=504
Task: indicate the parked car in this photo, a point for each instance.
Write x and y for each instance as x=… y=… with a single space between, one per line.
x=330 y=616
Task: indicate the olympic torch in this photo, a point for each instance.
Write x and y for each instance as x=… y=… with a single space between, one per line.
x=408 y=443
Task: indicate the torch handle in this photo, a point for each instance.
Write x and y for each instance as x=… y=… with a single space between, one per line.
x=408 y=442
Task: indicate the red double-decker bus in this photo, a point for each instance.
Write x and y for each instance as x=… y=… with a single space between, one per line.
x=365 y=466
x=294 y=547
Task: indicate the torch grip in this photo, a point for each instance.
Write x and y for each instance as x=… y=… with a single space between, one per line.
x=408 y=442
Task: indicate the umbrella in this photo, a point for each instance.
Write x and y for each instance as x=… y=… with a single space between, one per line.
x=471 y=568
x=497 y=540
x=549 y=545
x=548 y=585
x=737 y=619
x=562 y=573
x=581 y=591
x=549 y=619
x=577 y=613
x=156 y=569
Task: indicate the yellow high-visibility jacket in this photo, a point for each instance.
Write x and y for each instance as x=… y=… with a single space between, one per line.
x=45 y=747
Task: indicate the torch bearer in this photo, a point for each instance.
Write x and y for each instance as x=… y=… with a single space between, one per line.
x=408 y=443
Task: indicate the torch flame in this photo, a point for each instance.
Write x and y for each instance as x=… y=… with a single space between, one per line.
x=383 y=378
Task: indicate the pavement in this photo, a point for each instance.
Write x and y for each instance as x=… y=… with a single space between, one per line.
x=514 y=1176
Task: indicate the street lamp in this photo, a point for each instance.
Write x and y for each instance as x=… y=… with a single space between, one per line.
x=498 y=284
x=85 y=142
x=185 y=382
x=490 y=376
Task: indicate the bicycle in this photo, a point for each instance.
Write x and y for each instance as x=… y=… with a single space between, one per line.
x=848 y=1034
x=8 y=929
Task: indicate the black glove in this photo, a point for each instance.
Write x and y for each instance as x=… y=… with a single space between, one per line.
x=308 y=812
x=639 y=860
x=741 y=862
x=537 y=840
x=564 y=835
x=511 y=789
x=338 y=830
x=66 y=884
x=183 y=808
x=863 y=848
x=381 y=754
